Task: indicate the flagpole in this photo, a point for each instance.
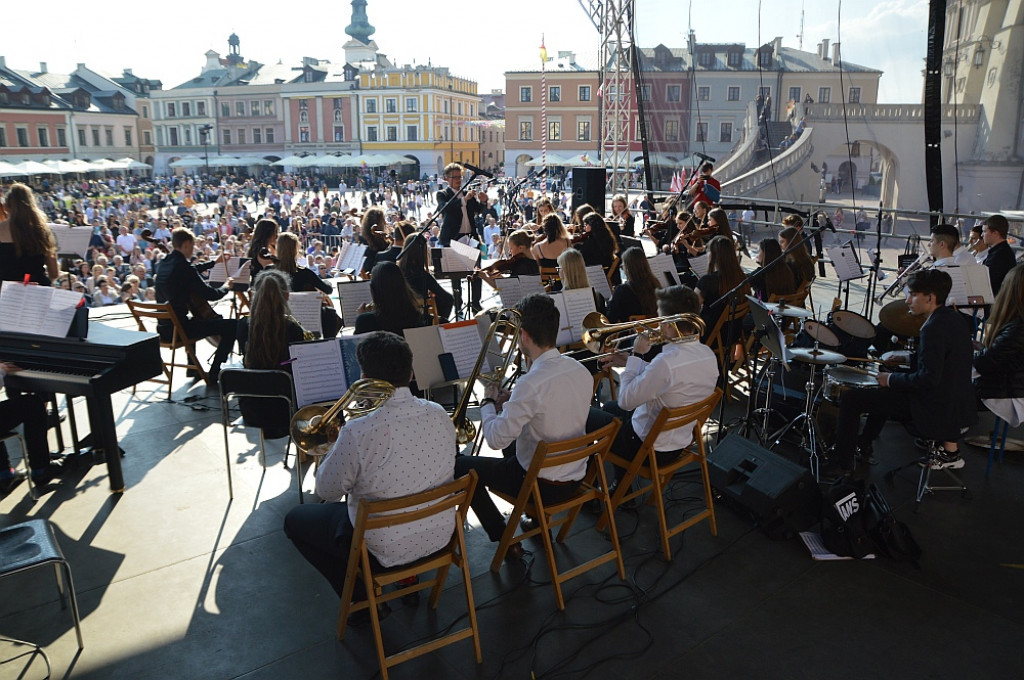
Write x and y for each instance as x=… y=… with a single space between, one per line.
x=543 y=102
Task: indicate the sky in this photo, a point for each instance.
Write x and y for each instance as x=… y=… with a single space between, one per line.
x=479 y=41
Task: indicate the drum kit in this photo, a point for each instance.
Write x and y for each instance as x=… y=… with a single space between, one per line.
x=844 y=338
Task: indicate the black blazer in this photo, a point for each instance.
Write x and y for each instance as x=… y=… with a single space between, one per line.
x=177 y=282
x=451 y=219
x=1000 y=261
x=939 y=385
x=305 y=280
x=1001 y=366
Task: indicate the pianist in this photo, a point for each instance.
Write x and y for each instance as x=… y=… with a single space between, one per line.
x=179 y=283
x=30 y=410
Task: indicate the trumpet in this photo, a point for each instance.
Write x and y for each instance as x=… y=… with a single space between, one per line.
x=315 y=428
x=604 y=338
x=903 y=276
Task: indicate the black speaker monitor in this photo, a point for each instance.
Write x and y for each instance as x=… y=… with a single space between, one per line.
x=588 y=186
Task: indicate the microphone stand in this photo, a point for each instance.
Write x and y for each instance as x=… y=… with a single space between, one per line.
x=730 y=297
x=876 y=265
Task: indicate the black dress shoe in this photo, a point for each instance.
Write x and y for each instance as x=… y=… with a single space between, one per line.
x=527 y=523
x=515 y=553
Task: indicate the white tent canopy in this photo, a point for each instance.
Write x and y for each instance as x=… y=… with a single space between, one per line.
x=188 y=162
x=10 y=170
x=290 y=161
x=35 y=168
x=549 y=159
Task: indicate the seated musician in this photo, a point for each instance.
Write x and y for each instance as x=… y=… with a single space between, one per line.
x=999 y=257
x=598 y=245
x=414 y=266
x=29 y=409
x=404 y=447
x=798 y=259
x=778 y=280
x=556 y=239
x=944 y=247
x=724 y=274
x=636 y=296
x=306 y=280
x=621 y=214
x=263 y=339
x=262 y=246
x=684 y=373
x=179 y=283
x=936 y=395
x=395 y=306
x=374 y=234
x=519 y=263
x=573 y=273
x=27 y=246
x=1000 y=363
x=549 y=403
x=402 y=231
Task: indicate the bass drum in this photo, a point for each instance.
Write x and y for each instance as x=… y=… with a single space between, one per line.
x=855 y=332
x=837 y=379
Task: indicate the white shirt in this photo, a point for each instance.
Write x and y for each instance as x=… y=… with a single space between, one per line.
x=404 y=447
x=466 y=227
x=683 y=374
x=126 y=242
x=549 y=403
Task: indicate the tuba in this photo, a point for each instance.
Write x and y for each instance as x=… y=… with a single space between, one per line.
x=315 y=427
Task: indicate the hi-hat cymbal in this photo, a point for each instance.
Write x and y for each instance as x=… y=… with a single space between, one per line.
x=897 y=318
x=786 y=310
x=816 y=356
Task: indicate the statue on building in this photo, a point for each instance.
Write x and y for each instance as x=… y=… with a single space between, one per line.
x=360 y=28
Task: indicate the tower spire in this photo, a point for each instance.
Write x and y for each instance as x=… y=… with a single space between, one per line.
x=360 y=28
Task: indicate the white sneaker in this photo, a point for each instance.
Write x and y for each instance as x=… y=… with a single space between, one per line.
x=947 y=460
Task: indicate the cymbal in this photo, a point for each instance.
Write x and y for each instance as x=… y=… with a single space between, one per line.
x=817 y=356
x=896 y=317
x=787 y=310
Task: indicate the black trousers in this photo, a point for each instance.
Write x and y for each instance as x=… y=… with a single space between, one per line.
x=322 y=533
x=879 y=405
x=29 y=409
x=505 y=475
x=627 y=442
x=205 y=328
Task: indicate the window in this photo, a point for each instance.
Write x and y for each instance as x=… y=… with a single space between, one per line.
x=240 y=109
x=257 y=136
x=392 y=132
x=446 y=106
x=854 y=95
x=303 y=134
x=173 y=132
x=337 y=115
x=583 y=130
x=188 y=136
x=584 y=93
x=412 y=133
x=458 y=107
x=526 y=130
x=702 y=132
x=200 y=108
x=554 y=93
x=186 y=109
x=725 y=134
x=824 y=95
x=145 y=111
x=554 y=130
x=62 y=137
x=371 y=106
x=339 y=133
x=703 y=93
x=160 y=135
x=227 y=136
x=270 y=135
x=645 y=93
x=671 y=130
x=705 y=58
x=254 y=108
x=303 y=116
x=171 y=111
x=526 y=94
x=734 y=94
x=147 y=138
x=410 y=104
x=81 y=137
x=371 y=133
x=127 y=136
x=225 y=110
x=241 y=136
x=303 y=105
x=735 y=59
x=764 y=58
x=673 y=93
x=95 y=136
x=337 y=103
x=794 y=94
x=391 y=105
x=268 y=107
x=460 y=134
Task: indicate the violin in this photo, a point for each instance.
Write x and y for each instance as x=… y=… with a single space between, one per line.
x=266 y=254
x=147 y=236
x=499 y=266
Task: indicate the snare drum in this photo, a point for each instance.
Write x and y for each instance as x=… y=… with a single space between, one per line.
x=854 y=332
x=838 y=379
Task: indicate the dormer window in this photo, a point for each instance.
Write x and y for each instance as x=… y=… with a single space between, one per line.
x=705 y=58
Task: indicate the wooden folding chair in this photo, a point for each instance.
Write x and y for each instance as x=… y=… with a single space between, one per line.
x=162 y=311
x=548 y=275
x=611 y=271
x=405 y=510
x=240 y=304
x=645 y=466
x=723 y=346
x=431 y=305
x=593 y=446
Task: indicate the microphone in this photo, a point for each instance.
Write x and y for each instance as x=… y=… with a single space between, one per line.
x=703 y=157
x=477 y=171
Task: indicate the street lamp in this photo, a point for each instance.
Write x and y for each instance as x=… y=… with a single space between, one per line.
x=204 y=137
x=451 y=126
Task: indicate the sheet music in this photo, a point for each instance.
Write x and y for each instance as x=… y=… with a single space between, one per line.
x=573 y=305
x=699 y=264
x=220 y=272
x=72 y=240
x=38 y=310
x=463 y=341
x=351 y=294
x=318 y=370
x=353 y=259
x=971 y=285
x=509 y=290
x=459 y=257
x=306 y=310
x=664 y=268
x=599 y=281
x=244 y=271
x=844 y=259
x=425 y=343
x=530 y=285
x=348 y=344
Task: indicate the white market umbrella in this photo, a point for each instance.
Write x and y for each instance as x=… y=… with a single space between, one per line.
x=551 y=159
x=290 y=161
x=252 y=160
x=188 y=162
x=10 y=170
x=35 y=168
x=583 y=160
x=80 y=165
x=221 y=161
x=60 y=167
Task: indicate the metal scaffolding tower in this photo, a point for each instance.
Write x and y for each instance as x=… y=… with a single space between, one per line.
x=614 y=21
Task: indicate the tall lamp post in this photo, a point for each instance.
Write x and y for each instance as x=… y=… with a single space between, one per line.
x=451 y=126
x=204 y=137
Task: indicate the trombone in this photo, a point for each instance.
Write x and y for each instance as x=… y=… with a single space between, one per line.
x=604 y=338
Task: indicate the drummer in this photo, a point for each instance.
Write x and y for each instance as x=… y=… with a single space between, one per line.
x=936 y=395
